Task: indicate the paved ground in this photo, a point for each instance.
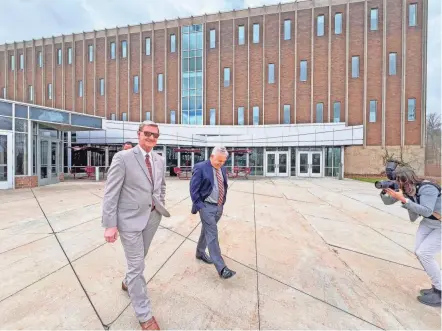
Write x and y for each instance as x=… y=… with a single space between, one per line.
x=309 y=254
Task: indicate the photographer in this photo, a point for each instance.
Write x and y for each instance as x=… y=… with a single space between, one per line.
x=421 y=198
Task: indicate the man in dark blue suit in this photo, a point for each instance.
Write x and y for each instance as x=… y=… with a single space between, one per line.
x=208 y=190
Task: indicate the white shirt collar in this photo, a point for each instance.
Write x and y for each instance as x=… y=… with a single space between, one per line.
x=144 y=153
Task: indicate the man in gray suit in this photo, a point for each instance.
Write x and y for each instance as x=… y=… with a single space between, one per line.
x=134 y=202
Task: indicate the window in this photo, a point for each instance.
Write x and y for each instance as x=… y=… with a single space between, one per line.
x=30 y=93
x=147 y=45
x=12 y=64
x=59 y=56
x=113 y=50
x=124 y=117
x=4 y=93
x=212 y=38
x=40 y=59
x=241 y=35
x=22 y=61
x=70 y=55
x=50 y=91
x=91 y=53
x=303 y=71
x=271 y=73
x=373 y=110
x=319 y=112
x=172 y=117
x=286 y=114
x=373 y=19
x=255 y=115
x=412 y=14
x=124 y=49
x=147 y=116
x=172 y=43
x=355 y=66
x=136 y=83
x=240 y=115
x=287 y=29
x=101 y=86
x=113 y=117
x=338 y=23
x=320 y=22
x=412 y=109
x=160 y=82
x=80 y=88
x=337 y=112
x=255 y=33
x=226 y=77
x=212 y=116
x=392 y=64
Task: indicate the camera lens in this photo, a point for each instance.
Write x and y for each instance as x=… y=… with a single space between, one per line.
x=378 y=184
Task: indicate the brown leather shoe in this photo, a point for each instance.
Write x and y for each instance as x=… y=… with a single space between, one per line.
x=150 y=325
x=124 y=286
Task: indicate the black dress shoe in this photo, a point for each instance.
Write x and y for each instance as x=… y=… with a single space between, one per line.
x=226 y=273
x=204 y=258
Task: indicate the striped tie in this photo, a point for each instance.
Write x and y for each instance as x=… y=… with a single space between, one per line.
x=219 y=177
x=149 y=167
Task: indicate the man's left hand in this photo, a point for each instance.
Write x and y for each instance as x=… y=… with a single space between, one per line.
x=396 y=195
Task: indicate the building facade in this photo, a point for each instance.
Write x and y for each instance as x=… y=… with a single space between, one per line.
x=313 y=66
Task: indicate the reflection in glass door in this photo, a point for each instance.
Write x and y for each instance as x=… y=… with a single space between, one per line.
x=53 y=159
x=310 y=164
x=5 y=155
x=316 y=164
x=303 y=164
x=277 y=164
x=271 y=164
x=49 y=161
x=44 y=163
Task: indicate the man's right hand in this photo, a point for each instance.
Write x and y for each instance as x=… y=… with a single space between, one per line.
x=111 y=234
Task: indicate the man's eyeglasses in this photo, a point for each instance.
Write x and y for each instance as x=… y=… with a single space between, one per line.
x=148 y=134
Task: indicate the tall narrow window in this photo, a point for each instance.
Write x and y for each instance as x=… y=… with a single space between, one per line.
x=49 y=91
x=271 y=73
x=113 y=117
x=59 y=56
x=40 y=59
x=255 y=115
x=373 y=19
x=136 y=83
x=70 y=55
x=172 y=117
x=255 y=33
x=303 y=71
x=241 y=35
x=91 y=53
x=124 y=117
x=4 y=93
x=240 y=115
x=22 y=61
x=101 y=86
x=147 y=116
x=412 y=109
x=286 y=114
x=80 y=88
x=12 y=63
x=287 y=29
x=320 y=23
x=147 y=45
x=337 y=112
x=373 y=110
x=412 y=14
x=30 y=93
x=319 y=112
x=226 y=77
x=160 y=82
x=212 y=116
x=392 y=64
x=338 y=23
x=212 y=38
x=113 y=50
x=124 y=49
x=172 y=43
x=355 y=66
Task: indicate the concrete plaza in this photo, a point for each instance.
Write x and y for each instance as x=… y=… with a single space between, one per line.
x=309 y=254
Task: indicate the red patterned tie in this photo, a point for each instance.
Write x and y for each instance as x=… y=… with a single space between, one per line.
x=149 y=167
x=219 y=177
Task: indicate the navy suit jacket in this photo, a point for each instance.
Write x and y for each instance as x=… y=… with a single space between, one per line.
x=201 y=184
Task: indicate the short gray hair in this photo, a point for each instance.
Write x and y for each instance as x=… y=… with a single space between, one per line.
x=148 y=123
x=220 y=149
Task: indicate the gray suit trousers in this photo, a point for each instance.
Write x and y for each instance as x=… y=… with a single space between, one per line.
x=136 y=245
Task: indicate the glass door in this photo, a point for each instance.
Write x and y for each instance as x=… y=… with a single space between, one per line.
x=303 y=165
x=282 y=161
x=271 y=164
x=49 y=161
x=5 y=156
x=315 y=164
x=277 y=164
x=310 y=164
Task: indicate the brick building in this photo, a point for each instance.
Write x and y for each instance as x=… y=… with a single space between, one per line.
x=306 y=86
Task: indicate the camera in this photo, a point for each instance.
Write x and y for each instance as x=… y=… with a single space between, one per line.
x=384 y=184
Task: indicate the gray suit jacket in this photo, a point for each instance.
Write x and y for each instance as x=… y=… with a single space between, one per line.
x=129 y=190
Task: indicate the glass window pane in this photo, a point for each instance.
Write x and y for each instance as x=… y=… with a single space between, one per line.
x=241 y=116
x=86 y=121
x=337 y=112
x=255 y=33
x=147 y=45
x=373 y=110
x=212 y=38
x=113 y=50
x=226 y=77
x=199 y=80
x=21 y=111
x=212 y=116
x=21 y=154
x=199 y=63
x=172 y=117
x=319 y=112
x=411 y=109
x=241 y=35
x=192 y=64
x=255 y=115
x=186 y=43
x=160 y=82
x=338 y=23
x=271 y=73
x=355 y=67
x=286 y=114
x=124 y=49
x=172 y=43
x=148 y=116
x=374 y=19
x=199 y=40
x=287 y=29
x=5 y=109
x=412 y=15
x=303 y=71
x=392 y=64
x=192 y=41
x=5 y=123
x=320 y=25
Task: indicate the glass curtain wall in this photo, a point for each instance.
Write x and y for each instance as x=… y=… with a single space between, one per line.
x=192 y=74
x=332 y=161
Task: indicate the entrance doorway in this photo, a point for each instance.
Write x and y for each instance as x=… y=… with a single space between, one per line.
x=277 y=164
x=6 y=175
x=49 y=155
x=309 y=164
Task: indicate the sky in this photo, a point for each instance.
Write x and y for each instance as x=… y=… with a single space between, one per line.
x=46 y=18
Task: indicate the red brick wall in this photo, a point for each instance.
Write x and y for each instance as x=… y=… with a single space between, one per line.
x=147 y=75
x=20 y=76
x=256 y=72
x=212 y=67
x=2 y=72
x=288 y=78
x=271 y=111
x=79 y=54
x=26 y=182
x=11 y=79
x=111 y=81
x=28 y=74
x=68 y=74
x=38 y=78
x=100 y=73
x=47 y=67
x=227 y=62
x=338 y=61
x=241 y=73
x=57 y=92
x=159 y=68
x=172 y=79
